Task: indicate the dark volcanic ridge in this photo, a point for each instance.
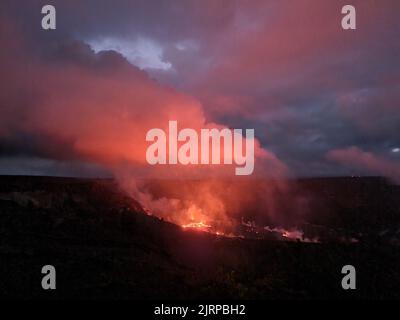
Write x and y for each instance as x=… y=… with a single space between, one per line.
x=104 y=245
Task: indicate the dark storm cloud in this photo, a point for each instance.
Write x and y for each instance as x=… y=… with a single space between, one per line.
x=284 y=68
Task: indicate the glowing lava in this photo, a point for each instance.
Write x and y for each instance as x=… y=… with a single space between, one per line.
x=203 y=227
x=197 y=226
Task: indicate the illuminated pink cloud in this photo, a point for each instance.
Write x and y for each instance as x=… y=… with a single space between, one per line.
x=360 y=160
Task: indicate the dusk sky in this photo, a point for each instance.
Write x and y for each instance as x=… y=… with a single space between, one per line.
x=78 y=100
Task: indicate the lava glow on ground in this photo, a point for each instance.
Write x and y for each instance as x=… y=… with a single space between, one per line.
x=197 y=226
x=203 y=227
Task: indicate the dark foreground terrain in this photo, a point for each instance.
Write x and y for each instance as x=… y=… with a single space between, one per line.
x=104 y=247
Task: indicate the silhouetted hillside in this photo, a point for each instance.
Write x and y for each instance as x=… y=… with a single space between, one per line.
x=103 y=245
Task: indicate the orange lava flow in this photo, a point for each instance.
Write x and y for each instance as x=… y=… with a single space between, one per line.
x=203 y=227
x=197 y=225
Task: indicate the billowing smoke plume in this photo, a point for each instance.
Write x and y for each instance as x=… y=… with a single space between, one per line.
x=66 y=102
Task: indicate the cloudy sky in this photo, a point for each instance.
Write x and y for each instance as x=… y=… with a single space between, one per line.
x=78 y=100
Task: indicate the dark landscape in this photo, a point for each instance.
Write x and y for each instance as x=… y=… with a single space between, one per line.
x=105 y=246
